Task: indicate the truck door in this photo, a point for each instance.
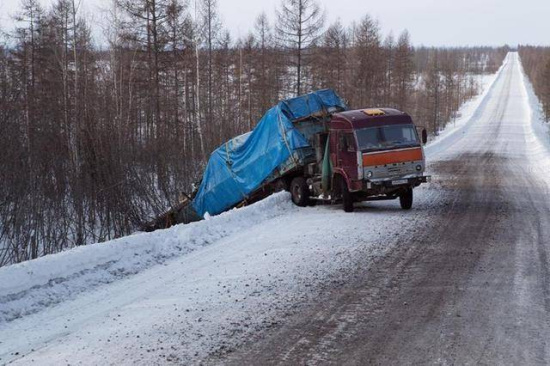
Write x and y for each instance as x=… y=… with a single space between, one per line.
x=347 y=154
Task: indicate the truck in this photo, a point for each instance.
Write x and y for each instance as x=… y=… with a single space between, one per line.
x=316 y=148
x=369 y=155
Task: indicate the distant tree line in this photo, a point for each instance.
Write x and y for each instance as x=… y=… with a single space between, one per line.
x=536 y=63
x=95 y=140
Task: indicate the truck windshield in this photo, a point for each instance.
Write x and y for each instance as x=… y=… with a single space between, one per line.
x=387 y=137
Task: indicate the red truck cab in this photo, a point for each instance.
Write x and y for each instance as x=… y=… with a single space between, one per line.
x=375 y=154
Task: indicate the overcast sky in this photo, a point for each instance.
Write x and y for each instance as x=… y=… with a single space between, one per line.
x=430 y=22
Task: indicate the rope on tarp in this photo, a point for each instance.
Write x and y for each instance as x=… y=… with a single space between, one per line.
x=228 y=159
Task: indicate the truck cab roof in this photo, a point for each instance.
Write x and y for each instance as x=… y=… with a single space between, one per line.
x=371 y=117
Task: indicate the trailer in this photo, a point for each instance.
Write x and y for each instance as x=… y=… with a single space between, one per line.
x=252 y=166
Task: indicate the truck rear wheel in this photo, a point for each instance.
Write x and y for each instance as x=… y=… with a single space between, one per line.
x=406 y=199
x=299 y=192
x=347 y=198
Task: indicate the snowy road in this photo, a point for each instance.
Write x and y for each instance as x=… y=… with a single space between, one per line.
x=463 y=278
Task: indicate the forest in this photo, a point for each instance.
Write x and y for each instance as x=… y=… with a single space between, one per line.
x=536 y=63
x=98 y=137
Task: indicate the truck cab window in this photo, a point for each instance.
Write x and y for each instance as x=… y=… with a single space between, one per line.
x=387 y=137
x=399 y=133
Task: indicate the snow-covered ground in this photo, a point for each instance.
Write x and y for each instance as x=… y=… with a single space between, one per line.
x=188 y=292
x=196 y=291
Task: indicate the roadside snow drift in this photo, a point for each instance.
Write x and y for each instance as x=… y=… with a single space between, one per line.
x=30 y=286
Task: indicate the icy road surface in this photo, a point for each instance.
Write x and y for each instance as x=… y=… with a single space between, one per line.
x=463 y=278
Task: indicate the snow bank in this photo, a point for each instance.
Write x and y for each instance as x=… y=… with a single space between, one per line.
x=29 y=286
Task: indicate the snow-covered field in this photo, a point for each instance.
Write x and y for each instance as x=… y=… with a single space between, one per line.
x=196 y=291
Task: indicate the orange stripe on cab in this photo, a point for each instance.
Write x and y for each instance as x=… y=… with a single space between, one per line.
x=392 y=157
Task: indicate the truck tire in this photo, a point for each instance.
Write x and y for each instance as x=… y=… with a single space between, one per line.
x=406 y=199
x=299 y=192
x=347 y=198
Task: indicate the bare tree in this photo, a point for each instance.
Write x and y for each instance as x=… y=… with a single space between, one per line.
x=332 y=59
x=545 y=89
x=403 y=74
x=299 y=26
x=369 y=66
x=536 y=63
x=434 y=88
x=265 y=65
x=389 y=52
x=211 y=27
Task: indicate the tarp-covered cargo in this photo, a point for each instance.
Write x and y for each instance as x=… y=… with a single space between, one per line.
x=277 y=145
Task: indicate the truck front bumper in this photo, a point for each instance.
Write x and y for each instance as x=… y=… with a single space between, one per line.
x=388 y=185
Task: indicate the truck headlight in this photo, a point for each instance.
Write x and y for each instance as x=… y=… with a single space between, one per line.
x=369 y=174
x=418 y=168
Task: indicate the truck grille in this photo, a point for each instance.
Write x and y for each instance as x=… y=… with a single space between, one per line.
x=396 y=170
x=393 y=170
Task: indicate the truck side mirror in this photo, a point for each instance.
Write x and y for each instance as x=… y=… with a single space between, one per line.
x=424 y=136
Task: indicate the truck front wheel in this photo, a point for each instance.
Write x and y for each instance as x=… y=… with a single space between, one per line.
x=299 y=192
x=406 y=199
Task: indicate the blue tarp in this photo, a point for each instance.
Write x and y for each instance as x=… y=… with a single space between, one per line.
x=240 y=166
